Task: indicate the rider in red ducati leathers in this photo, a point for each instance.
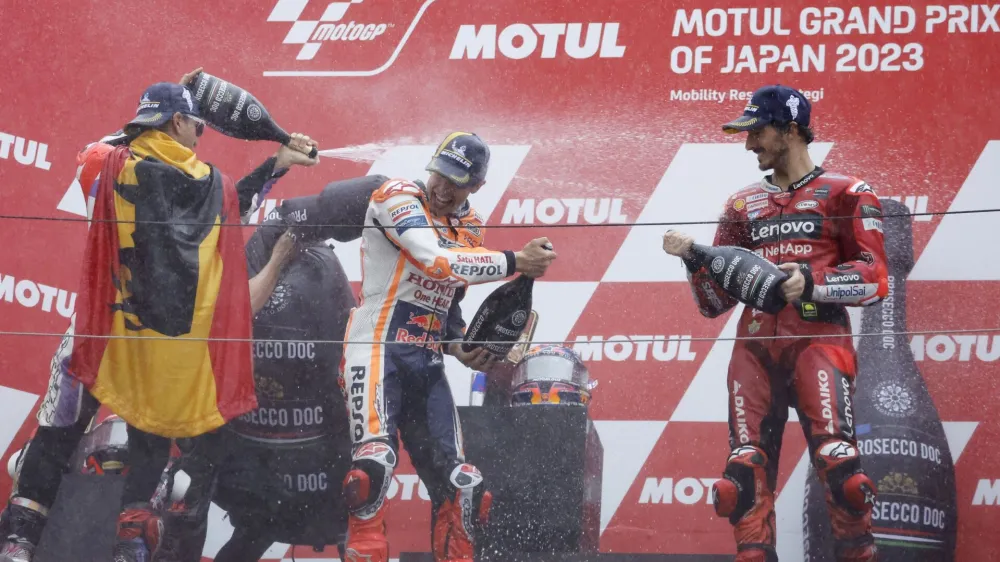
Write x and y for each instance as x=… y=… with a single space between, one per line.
x=825 y=231
x=422 y=247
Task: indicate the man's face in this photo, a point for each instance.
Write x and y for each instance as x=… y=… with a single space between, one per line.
x=188 y=129
x=444 y=197
x=770 y=146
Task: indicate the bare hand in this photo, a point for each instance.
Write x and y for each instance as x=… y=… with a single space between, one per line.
x=677 y=243
x=283 y=249
x=533 y=260
x=187 y=78
x=478 y=359
x=296 y=152
x=796 y=283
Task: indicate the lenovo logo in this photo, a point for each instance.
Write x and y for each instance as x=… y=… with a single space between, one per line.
x=521 y=40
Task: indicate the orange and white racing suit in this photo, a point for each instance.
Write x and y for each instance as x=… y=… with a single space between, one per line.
x=415 y=268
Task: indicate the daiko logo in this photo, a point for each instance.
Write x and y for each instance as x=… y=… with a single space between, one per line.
x=368 y=22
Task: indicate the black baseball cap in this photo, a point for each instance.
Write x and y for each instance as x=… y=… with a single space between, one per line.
x=462 y=158
x=159 y=103
x=771 y=104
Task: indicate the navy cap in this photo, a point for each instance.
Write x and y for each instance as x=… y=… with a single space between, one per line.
x=462 y=158
x=771 y=104
x=159 y=103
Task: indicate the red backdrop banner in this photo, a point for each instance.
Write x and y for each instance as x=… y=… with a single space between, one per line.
x=600 y=113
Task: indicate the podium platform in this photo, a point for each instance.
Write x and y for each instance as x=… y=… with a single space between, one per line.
x=542 y=464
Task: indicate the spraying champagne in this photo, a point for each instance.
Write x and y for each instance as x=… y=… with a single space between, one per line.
x=235 y=112
x=902 y=442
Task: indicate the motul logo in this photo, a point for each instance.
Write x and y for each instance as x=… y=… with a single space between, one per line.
x=639 y=348
x=32 y=295
x=521 y=40
x=987 y=493
x=687 y=491
x=26 y=152
x=960 y=347
x=566 y=211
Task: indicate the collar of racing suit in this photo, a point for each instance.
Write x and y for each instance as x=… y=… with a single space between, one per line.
x=801 y=182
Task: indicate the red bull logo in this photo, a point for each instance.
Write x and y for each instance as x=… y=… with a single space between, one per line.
x=423 y=340
x=429 y=322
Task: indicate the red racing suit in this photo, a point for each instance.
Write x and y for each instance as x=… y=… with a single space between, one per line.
x=844 y=264
x=413 y=278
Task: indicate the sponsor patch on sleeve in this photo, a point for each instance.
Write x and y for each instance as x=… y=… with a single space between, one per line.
x=861 y=187
x=410 y=222
x=403 y=210
x=870 y=211
x=872 y=224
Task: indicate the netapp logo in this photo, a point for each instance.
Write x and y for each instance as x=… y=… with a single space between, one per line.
x=521 y=40
x=790 y=228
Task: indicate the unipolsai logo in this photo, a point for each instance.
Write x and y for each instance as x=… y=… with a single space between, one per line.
x=348 y=37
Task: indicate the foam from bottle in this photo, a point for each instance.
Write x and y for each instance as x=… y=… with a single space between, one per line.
x=358 y=153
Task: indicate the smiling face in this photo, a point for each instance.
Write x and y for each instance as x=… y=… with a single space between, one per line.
x=770 y=145
x=444 y=197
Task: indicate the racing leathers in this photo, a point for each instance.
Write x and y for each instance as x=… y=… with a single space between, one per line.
x=831 y=226
x=414 y=276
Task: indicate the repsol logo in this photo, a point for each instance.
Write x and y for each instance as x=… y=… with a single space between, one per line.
x=356 y=395
x=788 y=228
x=897 y=447
x=470 y=270
x=284 y=350
x=687 y=491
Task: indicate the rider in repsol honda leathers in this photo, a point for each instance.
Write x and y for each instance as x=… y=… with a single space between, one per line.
x=277 y=471
x=414 y=277
x=791 y=219
x=68 y=409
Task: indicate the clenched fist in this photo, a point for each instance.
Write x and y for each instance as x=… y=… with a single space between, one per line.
x=534 y=259
x=677 y=243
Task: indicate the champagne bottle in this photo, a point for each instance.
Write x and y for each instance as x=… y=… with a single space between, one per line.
x=902 y=442
x=749 y=278
x=235 y=112
x=502 y=317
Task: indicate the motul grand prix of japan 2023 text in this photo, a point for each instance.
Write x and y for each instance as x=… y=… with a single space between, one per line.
x=599 y=114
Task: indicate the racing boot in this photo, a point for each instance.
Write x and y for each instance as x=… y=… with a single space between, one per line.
x=139 y=531
x=457 y=519
x=367 y=539
x=850 y=498
x=744 y=496
x=21 y=525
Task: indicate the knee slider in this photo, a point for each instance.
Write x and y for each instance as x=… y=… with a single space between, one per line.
x=839 y=465
x=367 y=483
x=735 y=493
